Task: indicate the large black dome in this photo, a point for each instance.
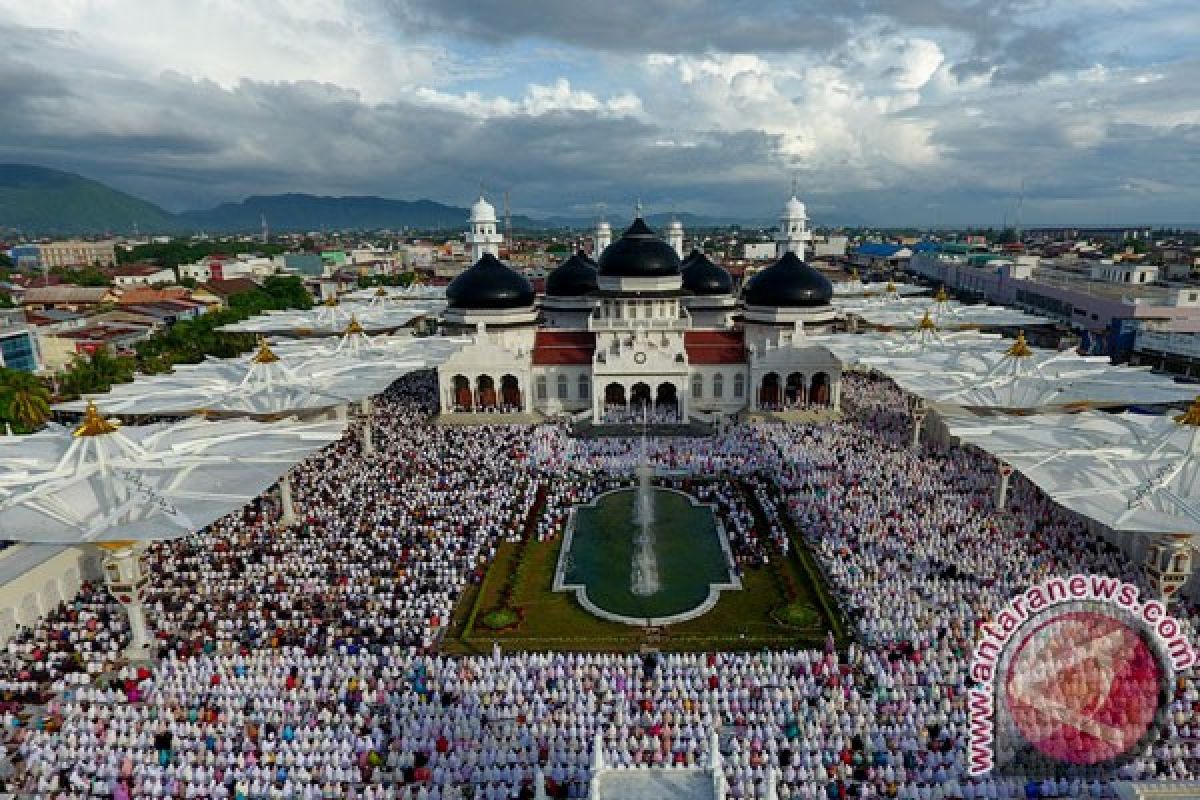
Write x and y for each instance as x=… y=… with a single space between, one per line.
x=574 y=277
x=489 y=284
x=789 y=283
x=702 y=276
x=639 y=253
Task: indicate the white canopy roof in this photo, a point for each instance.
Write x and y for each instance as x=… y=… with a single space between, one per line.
x=333 y=318
x=880 y=289
x=1129 y=472
x=333 y=374
x=102 y=483
x=947 y=314
x=397 y=294
x=863 y=348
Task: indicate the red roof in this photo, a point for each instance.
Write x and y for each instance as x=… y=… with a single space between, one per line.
x=715 y=347
x=552 y=348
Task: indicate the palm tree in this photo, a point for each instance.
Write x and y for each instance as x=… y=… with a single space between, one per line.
x=24 y=399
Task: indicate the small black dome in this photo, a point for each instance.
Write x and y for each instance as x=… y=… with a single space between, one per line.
x=574 y=277
x=789 y=283
x=639 y=253
x=702 y=276
x=489 y=284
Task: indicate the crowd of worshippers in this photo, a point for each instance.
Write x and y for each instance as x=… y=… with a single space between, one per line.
x=302 y=661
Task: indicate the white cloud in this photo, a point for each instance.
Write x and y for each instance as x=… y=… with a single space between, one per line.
x=538 y=100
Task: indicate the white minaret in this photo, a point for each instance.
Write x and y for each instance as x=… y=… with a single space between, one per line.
x=602 y=238
x=483 y=238
x=793 y=229
x=675 y=236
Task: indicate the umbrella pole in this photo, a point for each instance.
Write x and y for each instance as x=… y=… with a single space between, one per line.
x=287 y=514
x=1002 y=490
x=126 y=580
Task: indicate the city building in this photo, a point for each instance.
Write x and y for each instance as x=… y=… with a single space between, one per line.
x=77 y=253
x=142 y=275
x=18 y=347
x=640 y=332
x=1105 y=304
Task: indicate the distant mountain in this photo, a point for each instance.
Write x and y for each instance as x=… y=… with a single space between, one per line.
x=307 y=212
x=41 y=200
x=38 y=200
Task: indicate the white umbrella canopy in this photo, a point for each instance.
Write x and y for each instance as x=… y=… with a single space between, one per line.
x=397 y=294
x=264 y=384
x=1130 y=472
x=880 y=289
x=355 y=342
x=859 y=349
x=103 y=483
x=332 y=318
x=947 y=315
x=1022 y=378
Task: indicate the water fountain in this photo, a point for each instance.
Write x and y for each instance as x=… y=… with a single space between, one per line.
x=644 y=571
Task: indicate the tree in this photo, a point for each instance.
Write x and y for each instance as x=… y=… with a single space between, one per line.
x=24 y=400
x=97 y=373
x=5 y=260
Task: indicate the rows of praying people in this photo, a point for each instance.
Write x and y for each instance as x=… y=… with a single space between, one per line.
x=303 y=662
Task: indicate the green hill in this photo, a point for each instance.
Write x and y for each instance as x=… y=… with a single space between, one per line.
x=41 y=200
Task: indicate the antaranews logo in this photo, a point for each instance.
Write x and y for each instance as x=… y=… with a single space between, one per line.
x=1071 y=678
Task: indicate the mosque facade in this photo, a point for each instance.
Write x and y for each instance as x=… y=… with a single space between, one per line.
x=641 y=331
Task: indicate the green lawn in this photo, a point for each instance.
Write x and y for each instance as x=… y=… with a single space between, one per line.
x=550 y=620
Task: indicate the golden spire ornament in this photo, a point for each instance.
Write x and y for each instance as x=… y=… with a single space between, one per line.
x=354 y=326
x=926 y=323
x=941 y=296
x=1192 y=415
x=1020 y=348
x=93 y=424
x=264 y=354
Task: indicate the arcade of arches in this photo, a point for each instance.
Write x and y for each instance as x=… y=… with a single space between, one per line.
x=795 y=391
x=485 y=394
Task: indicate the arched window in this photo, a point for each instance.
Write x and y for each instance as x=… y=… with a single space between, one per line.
x=562 y=387
x=585 y=387
x=739 y=386
x=718 y=385
x=697 y=386
x=541 y=387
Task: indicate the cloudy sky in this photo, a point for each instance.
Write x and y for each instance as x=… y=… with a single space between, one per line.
x=919 y=112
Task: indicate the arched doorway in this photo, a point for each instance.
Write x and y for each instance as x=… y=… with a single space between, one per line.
x=614 y=395
x=818 y=395
x=666 y=401
x=510 y=393
x=769 y=392
x=487 y=392
x=462 y=393
x=640 y=396
x=794 y=391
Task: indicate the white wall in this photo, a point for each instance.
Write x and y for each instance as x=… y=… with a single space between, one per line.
x=29 y=596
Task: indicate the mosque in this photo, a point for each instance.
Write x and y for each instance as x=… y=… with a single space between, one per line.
x=640 y=331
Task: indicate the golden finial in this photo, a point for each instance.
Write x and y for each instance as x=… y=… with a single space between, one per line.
x=264 y=354
x=941 y=296
x=93 y=424
x=331 y=301
x=381 y=292
x=1192 y=415
x=926 y=323
x=1020 y=348
x=891 y=288
x=354 y=326
x=854 y=274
